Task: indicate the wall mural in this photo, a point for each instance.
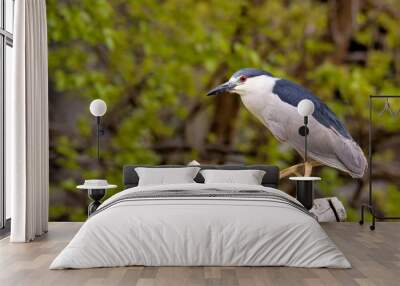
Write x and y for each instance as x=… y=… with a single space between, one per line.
x=153 y=62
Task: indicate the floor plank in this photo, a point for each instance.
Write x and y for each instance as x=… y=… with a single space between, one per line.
x=375 y=257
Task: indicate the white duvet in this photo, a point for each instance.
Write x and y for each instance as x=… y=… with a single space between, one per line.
x=200 y=231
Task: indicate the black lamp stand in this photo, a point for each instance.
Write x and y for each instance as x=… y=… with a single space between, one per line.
x=305 y=193
x=96 y=195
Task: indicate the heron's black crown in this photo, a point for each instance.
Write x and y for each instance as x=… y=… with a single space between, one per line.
x=250 y=72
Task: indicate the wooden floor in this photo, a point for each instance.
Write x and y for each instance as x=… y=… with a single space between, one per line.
x=375 y=257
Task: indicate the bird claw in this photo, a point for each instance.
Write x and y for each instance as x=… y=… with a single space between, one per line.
x=299 y=169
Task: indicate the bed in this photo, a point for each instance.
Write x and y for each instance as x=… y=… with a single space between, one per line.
x=201 y=224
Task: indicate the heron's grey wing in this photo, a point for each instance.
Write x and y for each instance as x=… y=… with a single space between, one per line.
x=292 y=94
x=336 y=151
x=325 y=145
x=351 y=155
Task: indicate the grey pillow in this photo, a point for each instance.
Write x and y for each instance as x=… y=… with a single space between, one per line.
x=248 y=177
x=163 y=176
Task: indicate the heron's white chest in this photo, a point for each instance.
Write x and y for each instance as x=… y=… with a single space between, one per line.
x=259 y=98
x=278 y=116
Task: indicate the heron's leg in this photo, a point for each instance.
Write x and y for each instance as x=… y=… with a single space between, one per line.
x=307 y=169
x=299 y=169
x=295 y=169
x=308 y=166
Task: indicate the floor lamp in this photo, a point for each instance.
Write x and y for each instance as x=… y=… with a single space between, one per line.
x=98 y=108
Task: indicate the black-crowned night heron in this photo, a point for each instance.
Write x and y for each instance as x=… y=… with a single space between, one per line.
x=274 y=102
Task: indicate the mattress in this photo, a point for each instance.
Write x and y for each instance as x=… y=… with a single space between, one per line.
x=201 y=225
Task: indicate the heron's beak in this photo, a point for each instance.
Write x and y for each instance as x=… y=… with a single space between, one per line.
x=225 y=87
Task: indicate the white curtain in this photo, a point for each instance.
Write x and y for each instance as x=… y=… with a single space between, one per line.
x=27 y=124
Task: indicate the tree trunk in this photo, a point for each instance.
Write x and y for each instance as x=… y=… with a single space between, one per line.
x=226 y=106
x=342 y=21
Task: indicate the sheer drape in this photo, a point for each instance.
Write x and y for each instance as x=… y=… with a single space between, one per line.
x=27 y=120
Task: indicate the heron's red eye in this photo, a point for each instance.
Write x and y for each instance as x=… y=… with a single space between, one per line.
x=243 y=78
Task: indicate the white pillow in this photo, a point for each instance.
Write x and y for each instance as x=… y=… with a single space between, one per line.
x=165 y=176
x=248 y=177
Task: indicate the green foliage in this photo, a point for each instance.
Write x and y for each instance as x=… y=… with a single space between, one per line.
x=153 y=61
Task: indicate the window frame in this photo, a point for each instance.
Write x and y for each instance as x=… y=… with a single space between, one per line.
x=6 y=39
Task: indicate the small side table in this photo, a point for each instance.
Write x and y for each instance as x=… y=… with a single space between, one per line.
x=95 y=192
x=305 y=190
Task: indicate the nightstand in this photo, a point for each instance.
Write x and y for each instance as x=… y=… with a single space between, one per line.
x=305 y=190
x=96 y=190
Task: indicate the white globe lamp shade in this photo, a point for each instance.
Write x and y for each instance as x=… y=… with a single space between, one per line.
x=305 y=107
x=98 y=107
